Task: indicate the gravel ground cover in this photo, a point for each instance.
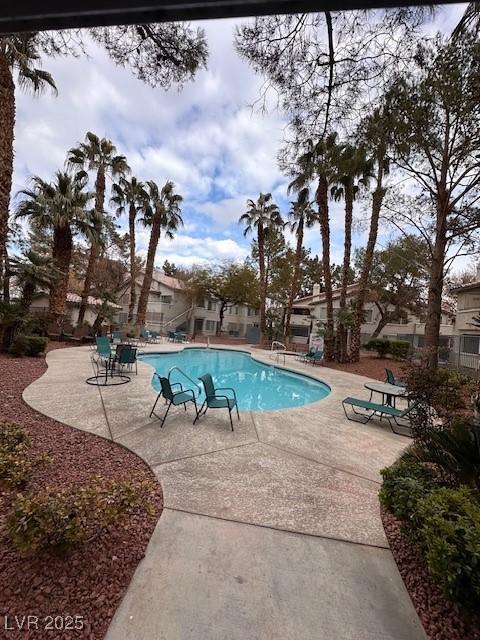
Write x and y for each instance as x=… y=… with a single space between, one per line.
x=89 y=583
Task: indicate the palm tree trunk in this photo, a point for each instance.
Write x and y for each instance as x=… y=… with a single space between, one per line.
x=147 y=278
x=377 y=200
x=95 y=248
x=322 y=201
x=263 y=282
x=7 y=124
x=133 y=294
x=347 y=250
x=62 y=256
x=221 y=316
x=295 y=279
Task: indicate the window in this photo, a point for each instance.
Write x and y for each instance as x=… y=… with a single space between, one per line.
x=234 y=311
x=471 y=344
x=367 y=315
x=166 y=299
x=469 y=300
x=300 y=331
x=122 y=318
x=299 y=311
x=154 y=316
x=210 y=325
x=252 y=312
x=211 y=305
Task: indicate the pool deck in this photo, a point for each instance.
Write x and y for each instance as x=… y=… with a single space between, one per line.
x=272 y=531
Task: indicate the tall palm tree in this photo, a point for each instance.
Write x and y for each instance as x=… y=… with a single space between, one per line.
x=261 y=216
x=32 y=271
x=99 y=155
x=376 y=134
x=318 y=162
x=130 y=195
x=18 y=56
x=354 y=170
x=163 y=213
x=300 y=217
x=62 y=207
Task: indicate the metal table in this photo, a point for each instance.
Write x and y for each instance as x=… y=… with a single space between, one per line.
x=390 y=391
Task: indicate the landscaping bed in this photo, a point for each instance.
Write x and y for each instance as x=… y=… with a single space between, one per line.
x=370 y=366
x=90 y=582
x=442 y=619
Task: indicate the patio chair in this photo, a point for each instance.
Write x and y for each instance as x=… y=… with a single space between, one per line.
x=153 y=336
x=391 y=413
x=308 y=354
x=392 y=380
x=183 y=396
x=144 y=335
x=214 y=400
x=103 y=352
x=117 y=336
x=315 y=358
x=126 y=357
x=171 y=336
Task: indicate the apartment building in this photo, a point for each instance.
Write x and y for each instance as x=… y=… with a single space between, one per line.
x=169 y=309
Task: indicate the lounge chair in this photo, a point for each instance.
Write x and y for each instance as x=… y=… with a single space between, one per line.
x=315 y=358
x=392 y=380
x=214 y=400
x=304 y=356
x=183 y=396
x=391 y=413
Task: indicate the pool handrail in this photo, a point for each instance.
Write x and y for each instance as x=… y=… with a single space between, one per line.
x=186 y=376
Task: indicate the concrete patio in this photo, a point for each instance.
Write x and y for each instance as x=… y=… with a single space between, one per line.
x=272 y=531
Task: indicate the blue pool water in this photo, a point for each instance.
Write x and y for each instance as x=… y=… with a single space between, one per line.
x=259 y=387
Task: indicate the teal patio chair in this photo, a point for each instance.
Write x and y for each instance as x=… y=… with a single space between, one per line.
x=374 y=408
x=392 y=380
x=126 y=358
x=315 y=358
x=175 y=398
x=214 y=400
x=171 y=336
x=154 y=336
x=117 y=336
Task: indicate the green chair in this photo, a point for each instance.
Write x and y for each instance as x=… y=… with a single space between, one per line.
x=391 y=413
x=126 y=358
x=392 y=380
x=175 y=398
x=171 y=336
x=315 y=358
x=214 y=400
x=154 y=336
x=103 y=352
x=117 y=336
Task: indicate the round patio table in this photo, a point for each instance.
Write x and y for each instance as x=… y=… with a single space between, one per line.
x=390 y=391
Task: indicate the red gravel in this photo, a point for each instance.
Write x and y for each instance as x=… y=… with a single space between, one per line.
x=441 y=618
x=91 y=582
x=370 y=367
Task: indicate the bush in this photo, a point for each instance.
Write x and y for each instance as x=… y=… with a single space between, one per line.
x=399 y=349
x=380 y=345
x=36 y=345
x=58 y=521
x=404 y=483
x=19 y=346
x=37 y=323
x=16 y=462
x=450 y=537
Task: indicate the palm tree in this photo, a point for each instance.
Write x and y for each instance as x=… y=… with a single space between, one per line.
x=163 y=213
x=131 y=196
x=300 y=216
x=376 y=134
x=62 y=207
x=33 y=271
x=261 y=216
x=353 y=171
x=99 y=155
x=18 y=55
x=469 y=22
x=319 y=162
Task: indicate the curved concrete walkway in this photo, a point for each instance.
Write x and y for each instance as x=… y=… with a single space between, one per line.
x=272 y=531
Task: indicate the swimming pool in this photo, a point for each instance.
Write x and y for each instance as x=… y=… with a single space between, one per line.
x=259 y=387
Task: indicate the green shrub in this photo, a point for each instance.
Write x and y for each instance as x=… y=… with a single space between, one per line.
x=450 y=537
x=36 y=345
x=380 y=345
x=404 y=483
x=16 y=461
x=19 y=346
x=59 y=521
x=37 y=323
x=399 y=349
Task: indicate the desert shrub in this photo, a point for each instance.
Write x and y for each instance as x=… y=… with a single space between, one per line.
x=380 y=345
x=404 y=483
x=59 y=520
x=36 y=345
x=19 y=346
x=16 y=461
x=450 y=537
x=399 y=349
x=37 y=323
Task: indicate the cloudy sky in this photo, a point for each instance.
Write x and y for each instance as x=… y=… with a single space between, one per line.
x=206 y=138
